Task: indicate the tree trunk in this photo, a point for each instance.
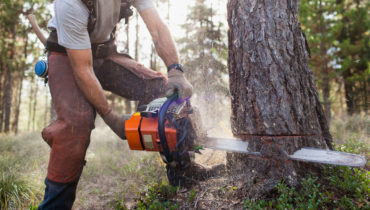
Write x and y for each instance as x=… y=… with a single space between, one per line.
x=34 y=107
x=8 y=88
x=8 y=91
x=349 y=92
x=168 y=11
x=275 y=104
x=1 y=95
x=324 y=66
x=366 y=91
x=153 y=59
x=137 y=38
x=19 y=101
x=19 y=92
x=128 y=37
x=30 y=103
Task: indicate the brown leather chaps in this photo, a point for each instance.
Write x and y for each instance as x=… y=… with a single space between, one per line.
x=69 y=136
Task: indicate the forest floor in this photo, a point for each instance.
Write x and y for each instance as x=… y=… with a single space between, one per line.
x=118 y=178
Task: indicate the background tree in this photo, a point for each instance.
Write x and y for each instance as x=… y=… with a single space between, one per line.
x=317 y=20
x=275 y=105
x=203 y=53
x=15 y=47
x=353 y=52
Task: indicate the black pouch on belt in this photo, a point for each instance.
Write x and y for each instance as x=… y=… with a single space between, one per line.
x=101 y=50
x=52 y=43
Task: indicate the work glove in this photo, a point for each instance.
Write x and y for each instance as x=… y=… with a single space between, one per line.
x=116 y=123
x=178 y=82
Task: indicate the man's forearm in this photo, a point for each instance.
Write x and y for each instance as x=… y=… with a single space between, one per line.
x=161 y=36
x=87 y=81
x=92 y=90
x=165 y=46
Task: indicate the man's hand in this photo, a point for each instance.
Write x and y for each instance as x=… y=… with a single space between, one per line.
x=116 y=123
x=177 y=82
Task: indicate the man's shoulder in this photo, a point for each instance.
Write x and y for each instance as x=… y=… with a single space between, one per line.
x=143 y=4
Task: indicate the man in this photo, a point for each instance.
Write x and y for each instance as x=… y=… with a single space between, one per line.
x=77 y=93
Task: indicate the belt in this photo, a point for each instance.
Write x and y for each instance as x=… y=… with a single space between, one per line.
x=100 y=50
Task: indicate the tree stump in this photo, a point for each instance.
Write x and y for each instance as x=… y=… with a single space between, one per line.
x=275 y=104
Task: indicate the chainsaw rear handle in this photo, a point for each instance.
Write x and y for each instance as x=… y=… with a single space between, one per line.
x=161 y=125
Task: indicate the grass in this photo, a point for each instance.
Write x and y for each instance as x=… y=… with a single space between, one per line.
x=21 y=165
x=113 y=174
x=157 y=196
x=118 y=178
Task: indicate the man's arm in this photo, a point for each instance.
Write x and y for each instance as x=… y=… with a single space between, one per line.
x=161 y=36
x=166 y=49
x=81 y=61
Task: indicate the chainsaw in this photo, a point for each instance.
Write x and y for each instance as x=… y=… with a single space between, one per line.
x=172 y=127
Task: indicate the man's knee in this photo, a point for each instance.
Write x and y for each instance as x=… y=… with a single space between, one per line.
x=79 y=127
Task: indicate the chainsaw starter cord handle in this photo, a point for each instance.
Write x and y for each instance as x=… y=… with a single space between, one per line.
x=161 y=126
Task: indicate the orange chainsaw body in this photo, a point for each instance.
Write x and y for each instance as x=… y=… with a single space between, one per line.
x=142 y=133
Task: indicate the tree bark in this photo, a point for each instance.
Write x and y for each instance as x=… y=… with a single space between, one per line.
x=275 y=104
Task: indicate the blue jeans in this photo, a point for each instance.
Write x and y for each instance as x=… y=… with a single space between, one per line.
x=59 y=196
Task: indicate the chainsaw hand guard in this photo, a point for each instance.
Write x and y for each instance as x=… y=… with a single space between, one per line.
x=169 y=126
x=161 y=126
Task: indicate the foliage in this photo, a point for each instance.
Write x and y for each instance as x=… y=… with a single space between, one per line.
x=16 y=44
x=353 y=51
x=337 y=32
x=18 y=190
x=317 y=23
x=157 y=196
x=120 y=204
x=338 y=188
x=203 y=50
x=15 y=190
x=192 y=195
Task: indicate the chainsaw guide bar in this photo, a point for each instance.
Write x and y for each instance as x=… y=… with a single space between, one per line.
x=314 y=155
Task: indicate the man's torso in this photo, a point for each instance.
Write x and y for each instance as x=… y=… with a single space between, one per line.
x=71 y=20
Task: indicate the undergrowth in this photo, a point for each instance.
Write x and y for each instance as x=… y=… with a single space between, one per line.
x=157 y=196
x=18 y=190
x=339 y=188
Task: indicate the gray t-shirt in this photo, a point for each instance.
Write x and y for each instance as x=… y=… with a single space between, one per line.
x=71 y=18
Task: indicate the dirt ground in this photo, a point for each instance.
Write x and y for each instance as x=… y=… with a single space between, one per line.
x=214 y=193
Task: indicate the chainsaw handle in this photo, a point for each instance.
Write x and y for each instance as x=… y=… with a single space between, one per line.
x=161 y=125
